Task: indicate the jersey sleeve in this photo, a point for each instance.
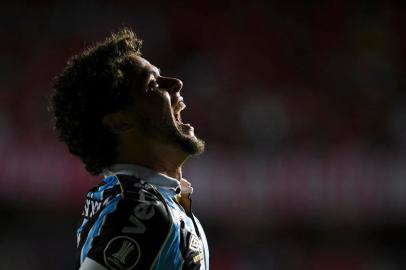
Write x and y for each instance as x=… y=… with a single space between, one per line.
x=129 y=233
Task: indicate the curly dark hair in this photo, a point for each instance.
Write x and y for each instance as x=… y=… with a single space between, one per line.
x=93 y=84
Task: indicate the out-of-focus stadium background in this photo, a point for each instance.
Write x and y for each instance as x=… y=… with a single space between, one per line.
x=302 y=106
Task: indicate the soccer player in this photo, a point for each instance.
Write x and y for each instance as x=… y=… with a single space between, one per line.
x=122 y=118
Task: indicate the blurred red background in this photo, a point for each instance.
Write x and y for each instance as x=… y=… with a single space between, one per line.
x=302 y=106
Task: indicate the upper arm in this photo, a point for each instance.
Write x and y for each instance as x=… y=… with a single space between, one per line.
x=90 y=264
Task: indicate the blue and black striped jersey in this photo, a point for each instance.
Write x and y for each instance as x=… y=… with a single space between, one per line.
x=133 y=220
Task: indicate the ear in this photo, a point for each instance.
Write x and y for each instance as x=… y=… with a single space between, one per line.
x=118 y=122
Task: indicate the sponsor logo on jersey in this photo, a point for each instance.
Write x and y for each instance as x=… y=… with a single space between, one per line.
x=143 y=211
x=121 y=253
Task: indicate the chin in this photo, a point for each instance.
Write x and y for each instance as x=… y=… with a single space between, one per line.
x=193 y=146
x=188 y=141
x=178 y=134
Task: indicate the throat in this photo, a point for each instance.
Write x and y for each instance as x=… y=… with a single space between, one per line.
x=186 y=203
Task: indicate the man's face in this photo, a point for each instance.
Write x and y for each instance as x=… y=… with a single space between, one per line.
x=157 y=108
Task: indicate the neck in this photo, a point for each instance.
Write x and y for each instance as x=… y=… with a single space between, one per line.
x=162 y=158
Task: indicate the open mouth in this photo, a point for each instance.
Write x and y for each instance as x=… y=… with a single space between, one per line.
x=180 y=106
x=177 y=110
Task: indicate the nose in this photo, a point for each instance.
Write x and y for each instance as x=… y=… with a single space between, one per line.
x=173 y=85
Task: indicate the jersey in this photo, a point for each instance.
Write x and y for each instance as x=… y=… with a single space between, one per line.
x=137 y=223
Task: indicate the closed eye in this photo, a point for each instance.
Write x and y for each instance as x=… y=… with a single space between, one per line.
x=153 y=85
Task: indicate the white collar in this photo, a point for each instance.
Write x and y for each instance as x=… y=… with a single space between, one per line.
x=150 y=176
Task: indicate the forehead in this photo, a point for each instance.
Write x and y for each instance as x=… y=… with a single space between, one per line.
x=144 y=67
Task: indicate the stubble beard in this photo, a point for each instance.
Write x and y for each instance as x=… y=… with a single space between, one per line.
x=168 y=133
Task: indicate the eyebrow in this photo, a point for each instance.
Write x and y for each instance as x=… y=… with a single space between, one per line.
x=151 y=70
x=156 y=71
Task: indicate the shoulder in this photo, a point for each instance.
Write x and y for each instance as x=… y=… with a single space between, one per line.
x=141 y=205
x=124 y=204
x=134 y=215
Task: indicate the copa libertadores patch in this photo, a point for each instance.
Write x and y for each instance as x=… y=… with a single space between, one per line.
x=122 y=253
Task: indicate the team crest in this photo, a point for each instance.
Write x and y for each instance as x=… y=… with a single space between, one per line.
x=121 y=253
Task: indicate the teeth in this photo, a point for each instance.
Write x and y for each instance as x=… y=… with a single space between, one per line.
x=177 y=117
x=180 y=107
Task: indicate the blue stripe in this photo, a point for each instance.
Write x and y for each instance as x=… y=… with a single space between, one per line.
x=98 y=195
x=85 y=220
x=110 y=182
x=170 y=256
x=95 y=230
